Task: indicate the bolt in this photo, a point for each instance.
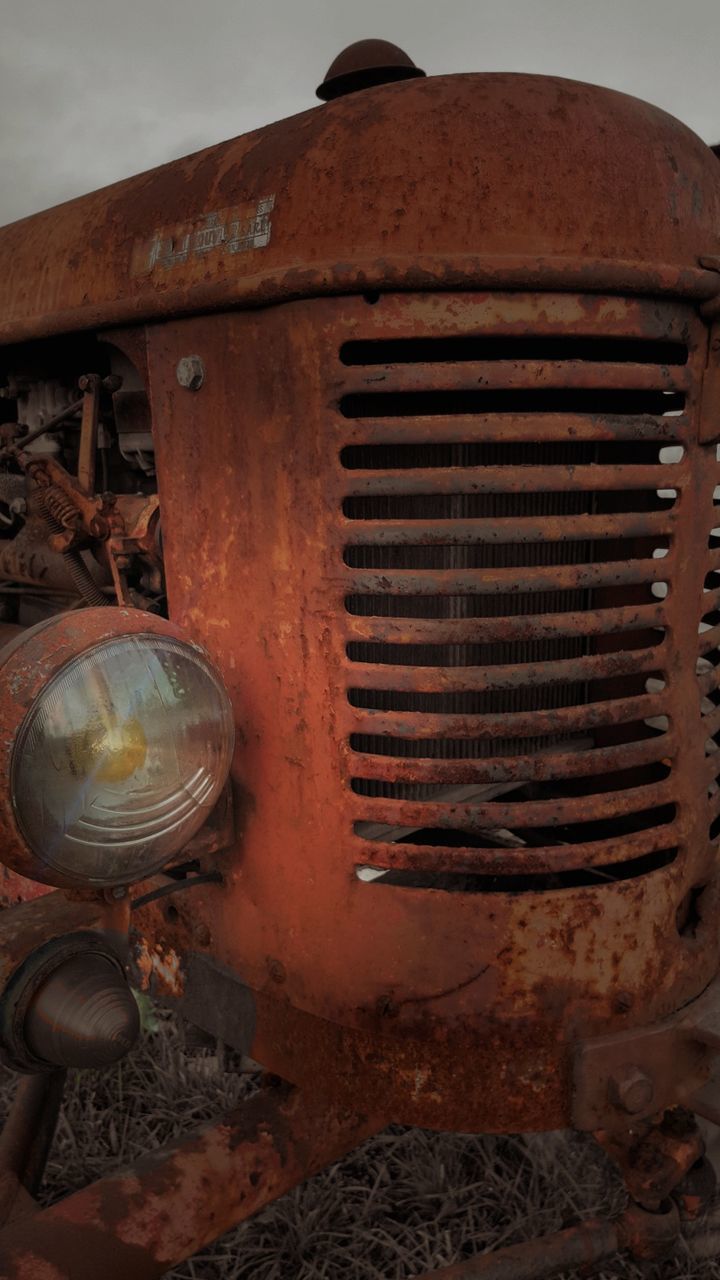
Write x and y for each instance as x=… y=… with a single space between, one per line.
x=190 y=372
x=630 y=1089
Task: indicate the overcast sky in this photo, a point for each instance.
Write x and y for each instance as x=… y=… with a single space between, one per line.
x=94 y=90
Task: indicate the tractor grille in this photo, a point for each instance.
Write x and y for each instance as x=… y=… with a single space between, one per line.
x=509 y=502
x=708 y=667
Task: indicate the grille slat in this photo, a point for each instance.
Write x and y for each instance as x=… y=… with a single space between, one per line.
x=539 y=479
x=495 y=581
x=539 y=428
x=495 y=814
x=507 y=375
x=504 y=676
x=511 y=530
x=502 y=630
x=521 y=768
x=509 y=724
x=493 y=860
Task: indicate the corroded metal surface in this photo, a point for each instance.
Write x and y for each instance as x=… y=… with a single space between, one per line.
x=142 y=1222
x=426 y=184
x=655 y=1159
x=456 y=554
x=460 y=627
x=363 y=65
x=26 y=1139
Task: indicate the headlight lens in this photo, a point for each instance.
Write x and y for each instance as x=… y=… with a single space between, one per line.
x=121 y=758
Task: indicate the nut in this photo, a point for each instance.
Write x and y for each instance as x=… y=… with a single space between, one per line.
x=631 y=1090
x=190 y=372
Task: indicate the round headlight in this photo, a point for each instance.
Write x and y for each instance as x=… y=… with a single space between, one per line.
x=120 y=756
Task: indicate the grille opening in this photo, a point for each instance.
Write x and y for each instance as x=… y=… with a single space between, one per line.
x=470 y=506
x=413 y=404
x=479 y=555
x=524 y=698
x=714 y=831
x=712 y=580
x=486 y=748
x=495 y=653
x=463 y=347
x=401 y=457
x=535 y=837
x=540 y=882
x=523 y=604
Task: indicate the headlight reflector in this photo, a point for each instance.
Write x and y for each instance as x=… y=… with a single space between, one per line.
x=120 y=758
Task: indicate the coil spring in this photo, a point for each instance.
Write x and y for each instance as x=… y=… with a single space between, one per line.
x=57 y=504
x=59 y=512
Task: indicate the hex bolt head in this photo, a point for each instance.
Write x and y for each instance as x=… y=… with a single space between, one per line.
x=190 y=372
x=631 y=1090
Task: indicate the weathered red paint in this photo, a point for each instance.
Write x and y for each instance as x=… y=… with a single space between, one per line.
x=421 y=575
x=468 y=978
x=427 y=184
x=144 y=1221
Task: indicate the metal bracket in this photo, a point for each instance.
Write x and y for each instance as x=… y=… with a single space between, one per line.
x=632 y=1075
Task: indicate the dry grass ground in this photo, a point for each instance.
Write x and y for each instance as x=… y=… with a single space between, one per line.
x=406 y=1202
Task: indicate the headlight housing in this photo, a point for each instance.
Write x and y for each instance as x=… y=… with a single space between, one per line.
x=120 y=752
